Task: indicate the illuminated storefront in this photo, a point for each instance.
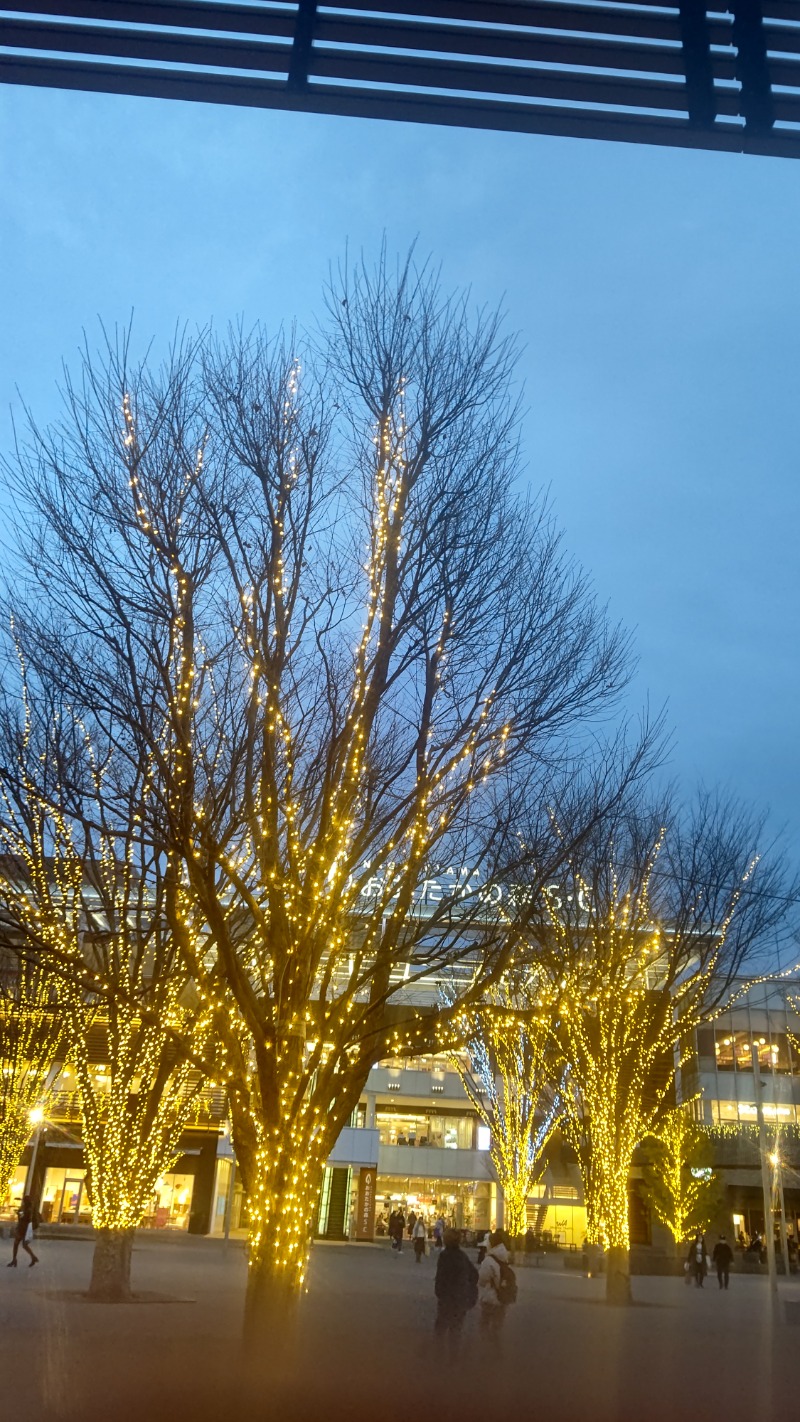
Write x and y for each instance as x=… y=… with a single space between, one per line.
x=464 y=1204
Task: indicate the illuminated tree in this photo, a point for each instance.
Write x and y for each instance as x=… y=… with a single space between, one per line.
x=86 y=894
x=680 y=1184
x=662 y=917
x=507 y=1069
x=30 y=1036
x=353 y=651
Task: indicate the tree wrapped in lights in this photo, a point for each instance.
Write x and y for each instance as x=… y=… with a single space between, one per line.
x=309 y=589
x=680 y=1184
x=664 y=913
x=31 y=1031
x=87 y=896
x=507 y=1067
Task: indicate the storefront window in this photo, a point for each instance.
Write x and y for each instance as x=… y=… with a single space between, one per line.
x=723 y=1050
x=779 y=1052
x=172 y=1202
x=458 y=1202
x=423 y=1128
x=65 y=1199
x=16 y=1190
x=745 y=1111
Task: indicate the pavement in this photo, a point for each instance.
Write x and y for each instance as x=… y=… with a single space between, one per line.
x=365 y=1350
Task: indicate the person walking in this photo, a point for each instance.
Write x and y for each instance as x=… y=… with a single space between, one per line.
x=723 y=1258
x=399 y=1230
x=697 y=1259
x=456 y=1289
x=412 y=1220
x=419 y=1234
x=438 y=1232
x=27 y=1219
x=491 y=1291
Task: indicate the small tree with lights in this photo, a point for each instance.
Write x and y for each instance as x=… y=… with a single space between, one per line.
x=680 y=1184
x=31 y=1031
x=508 y=1067
x=309 y=590
x=87 y=897
x=663 y=916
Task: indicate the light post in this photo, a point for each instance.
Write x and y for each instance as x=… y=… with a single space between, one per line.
x=36 y=1118
x=775 y=1161
x=766 y=1183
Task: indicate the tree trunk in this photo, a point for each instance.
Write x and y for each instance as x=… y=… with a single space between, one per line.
x=515 y=1209
x=111 y=1266
x=283 y=1210
x=618 y=1275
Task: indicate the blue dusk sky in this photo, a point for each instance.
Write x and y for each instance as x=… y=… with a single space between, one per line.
x=655 y=291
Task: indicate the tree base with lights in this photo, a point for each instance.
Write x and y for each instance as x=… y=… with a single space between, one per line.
x=618 y=1278
x=111 y=1266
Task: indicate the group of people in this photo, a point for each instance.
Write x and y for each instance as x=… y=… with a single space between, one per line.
x=460 y=1286
x=418 y=1232
x=698 y=1262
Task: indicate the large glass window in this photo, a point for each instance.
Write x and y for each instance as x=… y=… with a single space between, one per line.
x=425 y=1128
x=171 y=1202
x=733 y=1051
x=723 y=1050
x=65 y=1199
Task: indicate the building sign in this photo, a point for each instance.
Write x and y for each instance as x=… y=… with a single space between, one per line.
x=365 y=1210
x=457 y=884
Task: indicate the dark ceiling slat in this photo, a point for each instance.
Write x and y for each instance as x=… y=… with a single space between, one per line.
x=145 y=45
x=177 y=14
x=544 y=16
x=229 y=89
x=243 y=54
x=220 y=89
x=785 y=72
x=495 y=79
x=600 y=53
x=440 y=61
x=782 y=41
x=781 y=10
x=787 y=108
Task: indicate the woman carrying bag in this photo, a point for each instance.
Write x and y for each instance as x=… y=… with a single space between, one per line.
x=23 y=1234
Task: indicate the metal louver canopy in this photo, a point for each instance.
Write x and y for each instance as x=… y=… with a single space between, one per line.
x=682 y=74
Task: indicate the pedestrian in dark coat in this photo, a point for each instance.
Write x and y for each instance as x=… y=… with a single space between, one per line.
x=23 y=1234
x=456 y=1289
x=723 y=1258
x=399 y=1230
x=697 y=1259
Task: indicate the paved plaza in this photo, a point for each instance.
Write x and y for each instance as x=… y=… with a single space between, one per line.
x=365 y=1347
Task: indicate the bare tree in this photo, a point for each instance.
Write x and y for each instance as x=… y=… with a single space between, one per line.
x=309 y=588
x=86 y=894
x=663 y=913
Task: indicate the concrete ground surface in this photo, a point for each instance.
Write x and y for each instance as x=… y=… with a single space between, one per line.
x=365 y=1348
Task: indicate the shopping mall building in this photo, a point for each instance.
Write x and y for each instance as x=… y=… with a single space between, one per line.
x=416 y=1141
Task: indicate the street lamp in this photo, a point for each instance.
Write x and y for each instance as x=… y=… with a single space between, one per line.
x=36 y=1118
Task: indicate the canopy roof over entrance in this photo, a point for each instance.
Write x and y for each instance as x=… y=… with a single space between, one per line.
x=725 y=77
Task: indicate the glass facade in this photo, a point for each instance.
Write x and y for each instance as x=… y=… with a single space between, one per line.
x=464 y=1204
x=733 y=1051
x=65 y=1199
x=412 y=1126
